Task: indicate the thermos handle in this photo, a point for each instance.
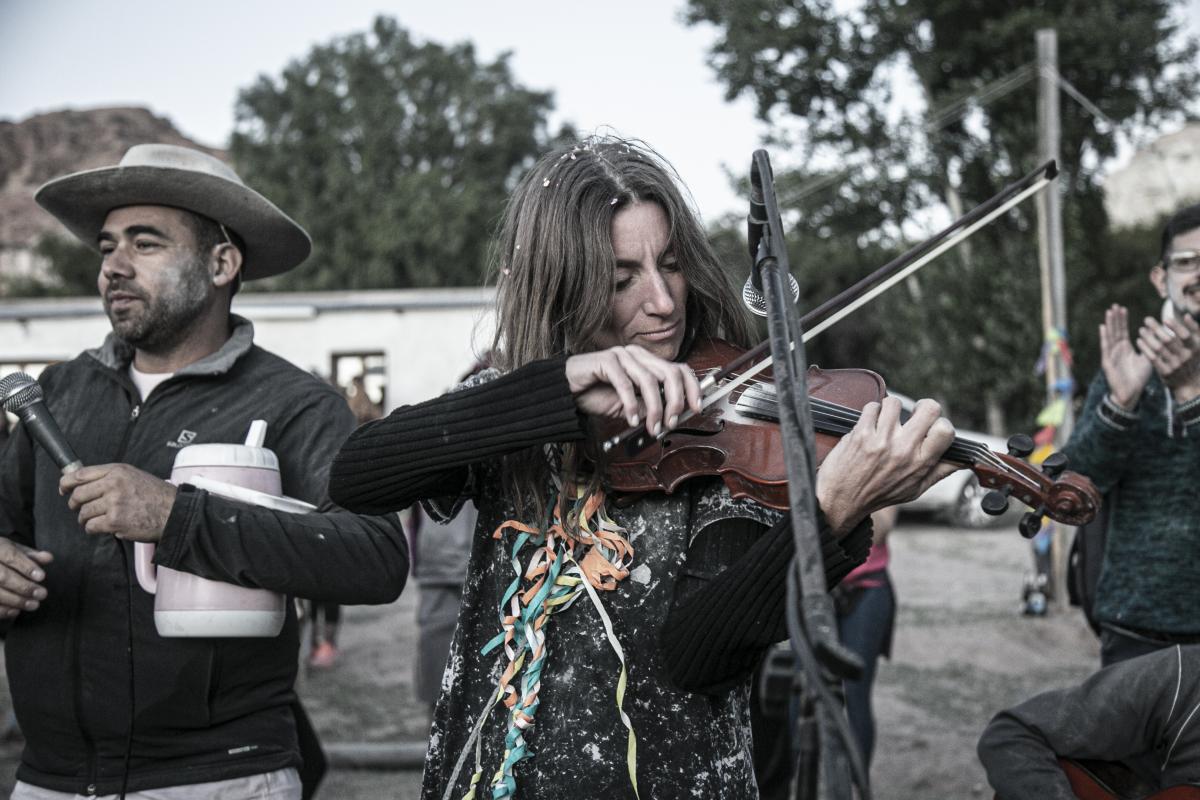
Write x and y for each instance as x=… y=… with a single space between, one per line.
x=143 y=566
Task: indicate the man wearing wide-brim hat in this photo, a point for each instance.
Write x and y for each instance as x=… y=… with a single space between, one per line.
x=107 y=705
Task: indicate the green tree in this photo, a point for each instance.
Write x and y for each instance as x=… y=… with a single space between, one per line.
x=967 y=329
x=396 y=156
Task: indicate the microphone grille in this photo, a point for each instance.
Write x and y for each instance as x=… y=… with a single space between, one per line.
x=19 y=390
x=754 y=299
x=757 y=303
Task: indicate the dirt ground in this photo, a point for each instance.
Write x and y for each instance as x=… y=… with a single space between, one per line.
x=962 y=651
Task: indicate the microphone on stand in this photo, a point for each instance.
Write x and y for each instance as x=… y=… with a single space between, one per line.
x=20 y=394
x=756 y=220
x=753 y=297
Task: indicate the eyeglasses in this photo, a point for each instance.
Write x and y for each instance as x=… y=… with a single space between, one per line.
x=1184 y=261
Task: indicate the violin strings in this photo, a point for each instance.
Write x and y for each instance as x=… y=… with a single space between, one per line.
x=840 y=419
x=963 y=450
x=835 y=412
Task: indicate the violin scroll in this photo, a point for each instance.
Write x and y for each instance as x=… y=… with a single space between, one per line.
x=1052 y=491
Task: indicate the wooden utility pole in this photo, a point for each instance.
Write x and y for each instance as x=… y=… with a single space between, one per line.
x=1053 y=274
x=1050 y=231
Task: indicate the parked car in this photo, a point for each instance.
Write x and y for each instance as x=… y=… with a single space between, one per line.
x=957 y=498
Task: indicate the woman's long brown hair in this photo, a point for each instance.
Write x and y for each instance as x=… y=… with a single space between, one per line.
x=554 y=268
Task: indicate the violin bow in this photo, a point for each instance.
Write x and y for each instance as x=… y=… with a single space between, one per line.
x=847 y=302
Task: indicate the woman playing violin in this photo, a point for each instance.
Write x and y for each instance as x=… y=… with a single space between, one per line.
x=606 y=651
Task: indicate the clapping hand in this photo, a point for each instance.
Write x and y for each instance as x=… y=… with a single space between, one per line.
x=1173 y=349
x=1125 y=367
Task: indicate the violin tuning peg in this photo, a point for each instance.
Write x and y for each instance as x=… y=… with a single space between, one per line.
x=1020 y=445
x=995 y=502
x=1054 y=464
x=1030 y=524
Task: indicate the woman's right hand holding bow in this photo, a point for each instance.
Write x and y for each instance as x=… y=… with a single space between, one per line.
x=630 y=382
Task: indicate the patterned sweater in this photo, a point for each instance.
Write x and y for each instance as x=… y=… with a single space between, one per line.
x=1146 y=462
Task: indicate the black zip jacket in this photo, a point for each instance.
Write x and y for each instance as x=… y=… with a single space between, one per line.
x=200 y=709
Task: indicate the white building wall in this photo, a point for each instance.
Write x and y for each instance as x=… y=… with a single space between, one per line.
x=18 y=261
x=426 y=348
x=429 y=337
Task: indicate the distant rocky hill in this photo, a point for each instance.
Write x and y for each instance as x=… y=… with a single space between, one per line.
x=45 y=146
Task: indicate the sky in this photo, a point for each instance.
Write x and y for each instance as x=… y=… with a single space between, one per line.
x=626 y=65
x=629 y=66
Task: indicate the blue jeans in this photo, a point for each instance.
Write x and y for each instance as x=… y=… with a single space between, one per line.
x=866 y=629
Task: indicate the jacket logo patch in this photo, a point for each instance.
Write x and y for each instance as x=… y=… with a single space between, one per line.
x=185 y=438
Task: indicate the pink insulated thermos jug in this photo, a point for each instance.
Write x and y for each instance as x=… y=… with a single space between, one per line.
x=188 y=605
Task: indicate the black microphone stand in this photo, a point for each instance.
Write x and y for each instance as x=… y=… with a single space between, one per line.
x=827 y=759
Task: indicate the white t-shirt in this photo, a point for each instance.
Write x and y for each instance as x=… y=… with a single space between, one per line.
x=147 y=381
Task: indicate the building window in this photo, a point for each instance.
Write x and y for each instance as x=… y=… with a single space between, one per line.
x=362 y=378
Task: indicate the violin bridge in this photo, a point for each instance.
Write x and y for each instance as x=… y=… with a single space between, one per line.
x=758 y=401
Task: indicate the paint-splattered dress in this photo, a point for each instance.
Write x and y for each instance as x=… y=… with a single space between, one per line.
x=688 y=743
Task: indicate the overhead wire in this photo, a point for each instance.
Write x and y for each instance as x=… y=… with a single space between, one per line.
x=958 y=109
x=943 y=116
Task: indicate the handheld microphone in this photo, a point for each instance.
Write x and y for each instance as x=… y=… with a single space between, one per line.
x=23 y=396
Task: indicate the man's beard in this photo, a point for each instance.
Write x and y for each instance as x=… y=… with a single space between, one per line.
x=1182 y=311
x=1183 y=299
x=162 y=324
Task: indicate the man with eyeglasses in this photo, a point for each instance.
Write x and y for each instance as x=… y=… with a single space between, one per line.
x=1138 y=439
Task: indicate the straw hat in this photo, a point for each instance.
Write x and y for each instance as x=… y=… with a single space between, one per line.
x=167 y=175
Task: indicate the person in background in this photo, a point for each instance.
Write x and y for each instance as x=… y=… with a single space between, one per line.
x=325 y=618
x=1138 y=717
x=440 y=555
x=866 y=605
x=1138 y=439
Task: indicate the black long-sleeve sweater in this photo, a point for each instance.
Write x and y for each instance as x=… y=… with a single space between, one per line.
x=722 y=620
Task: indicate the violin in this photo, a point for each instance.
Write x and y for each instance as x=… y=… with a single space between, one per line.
x=738 y=438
